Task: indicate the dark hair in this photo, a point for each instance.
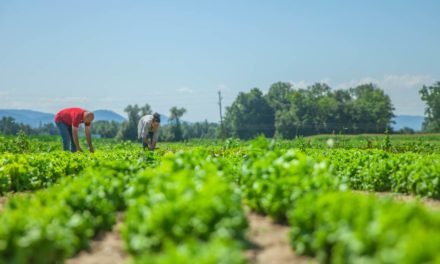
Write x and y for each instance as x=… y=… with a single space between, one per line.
x=156 y=117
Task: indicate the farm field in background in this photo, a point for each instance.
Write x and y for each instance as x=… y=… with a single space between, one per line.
x=342 y=198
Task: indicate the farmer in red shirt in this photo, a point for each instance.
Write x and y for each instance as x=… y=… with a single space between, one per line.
x=67 y=121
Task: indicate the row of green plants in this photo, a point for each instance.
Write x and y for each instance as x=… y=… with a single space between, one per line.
x=272 y=181
x=22 y=143
x=420 y=143
x=52 y=224
x=184 y=211
x=331 y=223
x=346 y=227
x=22 y=172
x=377 y=170
x=33 y=171
x=373 y=170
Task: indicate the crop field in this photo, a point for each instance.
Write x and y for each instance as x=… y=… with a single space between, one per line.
x=322 y=199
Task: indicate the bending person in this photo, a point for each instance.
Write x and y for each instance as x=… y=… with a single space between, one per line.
x=148 y=130
x=67 y=121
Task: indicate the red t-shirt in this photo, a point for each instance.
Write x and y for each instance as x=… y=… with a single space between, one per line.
x=71 y=116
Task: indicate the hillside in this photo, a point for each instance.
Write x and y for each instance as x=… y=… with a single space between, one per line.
x=36 y=118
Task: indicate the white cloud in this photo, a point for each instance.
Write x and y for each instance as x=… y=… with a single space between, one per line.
x=185 y=89
x=304 y=84
x=406 y=81
x=390 y=82
x=300 y=84
x=402 y=89
x=354 y=83
x=66 y=100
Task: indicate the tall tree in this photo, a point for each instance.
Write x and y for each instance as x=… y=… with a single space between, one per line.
x=8 y=126
x=146 y=110
x=106 y=129
x=371 y=109
x=431 y=96
x=128 y=129
x=176 y=128
x=250 y=115
x=278 y=95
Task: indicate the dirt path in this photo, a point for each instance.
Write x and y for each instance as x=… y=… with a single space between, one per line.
x=430 y=203
x=107 y=249
x=271 y=242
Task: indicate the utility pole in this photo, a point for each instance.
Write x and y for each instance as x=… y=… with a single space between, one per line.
x=222 y=134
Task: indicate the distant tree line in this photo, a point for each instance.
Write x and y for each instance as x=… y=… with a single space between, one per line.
x=283 y=112
x=8 y=126
x=174 y=130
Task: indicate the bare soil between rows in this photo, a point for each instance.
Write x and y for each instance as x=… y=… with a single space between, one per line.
x=270 y=242
x=107 y=249
x=428 y=202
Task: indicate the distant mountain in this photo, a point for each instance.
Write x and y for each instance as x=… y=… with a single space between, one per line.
x=414 y=122
x=28 y=117
x=35 y=118
x=108 y=115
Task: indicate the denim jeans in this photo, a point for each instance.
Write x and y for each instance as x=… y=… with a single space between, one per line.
x=66 y=136
x=150 y=136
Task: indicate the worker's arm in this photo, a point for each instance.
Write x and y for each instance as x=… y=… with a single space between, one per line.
x=154 y=140
x=88 y=132
x=75 y=138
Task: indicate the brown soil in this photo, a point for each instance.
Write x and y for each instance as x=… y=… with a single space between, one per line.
x=430 y=203
x=271 y=242
x=106 y=249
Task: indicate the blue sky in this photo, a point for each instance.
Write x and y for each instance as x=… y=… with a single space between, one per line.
x=108 y=54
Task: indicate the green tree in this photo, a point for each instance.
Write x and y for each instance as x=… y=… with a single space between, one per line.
x=371 y=109
x=8 y=126
x=128 y=129
x=431 y=96
x=106 y=129
x=176 y=129
x=47 y=129
x=200 y=130
x=318 y=109
x=278 y=96
x=250 y=115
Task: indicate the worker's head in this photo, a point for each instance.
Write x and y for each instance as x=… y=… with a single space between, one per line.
x=156 y=121
x=88 y=117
